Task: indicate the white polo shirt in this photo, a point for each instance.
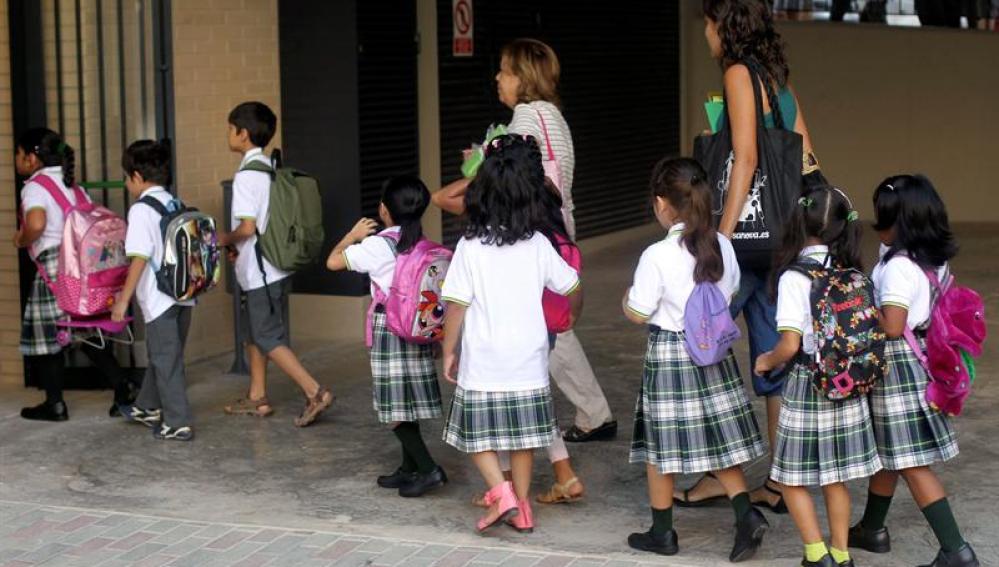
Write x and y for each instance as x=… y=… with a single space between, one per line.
x=794 y=300
x=251 y=194
x=374 y=256
x=34 y=196
x=144 y=239
x=902 y=283
x=504 y=343
x=664 y=280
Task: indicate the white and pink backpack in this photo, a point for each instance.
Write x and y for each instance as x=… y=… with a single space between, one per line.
x=413 y=307
x=92 y=263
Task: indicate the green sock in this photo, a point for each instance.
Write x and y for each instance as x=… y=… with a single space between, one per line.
x=741 y=505
x=409 y=435
x=876 y=511
x=838 y=555
x=944 y=525
x=662 y=521
x=815 y=551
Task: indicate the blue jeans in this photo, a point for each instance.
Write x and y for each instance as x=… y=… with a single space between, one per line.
x=753 y=301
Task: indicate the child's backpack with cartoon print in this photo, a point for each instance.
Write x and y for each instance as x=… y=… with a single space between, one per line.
x=849 y=357
x=413 y=309
x=190 y=265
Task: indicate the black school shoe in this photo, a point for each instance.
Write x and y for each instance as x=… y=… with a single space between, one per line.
x=46 y=412
x=396 y=480
x=164 y=432
x=964 y=557
x=748 y=535
x=847 y=563
x=826 y=561
x=875 y=541
x=663 y=545
x=421 y=484
x=606 y=432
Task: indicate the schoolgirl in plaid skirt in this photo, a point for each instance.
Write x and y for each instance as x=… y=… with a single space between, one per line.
x=688 y=418
x=911 y=435
x=404 y=375
x=819 y=442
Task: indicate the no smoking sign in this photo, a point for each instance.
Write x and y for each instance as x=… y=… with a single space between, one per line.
x=463 y=44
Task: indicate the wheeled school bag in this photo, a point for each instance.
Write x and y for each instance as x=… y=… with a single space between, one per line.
x=190 y=264
x=849 y=356
x=413 y=307
x=92 y=265
x=294 y=235
x=954 y=338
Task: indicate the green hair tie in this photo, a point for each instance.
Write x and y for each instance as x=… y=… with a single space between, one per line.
x=61 y=148
x=852 y=216
x=806 y=202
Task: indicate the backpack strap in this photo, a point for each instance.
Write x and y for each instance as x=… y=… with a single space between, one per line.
x=937 y=289
x=60 y=198
x=154 y=204
x=393 y=241
x=258 y=166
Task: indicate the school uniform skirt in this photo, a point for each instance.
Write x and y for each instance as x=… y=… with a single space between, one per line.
x=41 y=312
x=500 y=421
x=691 y=419
x=405 y=386
x=909 y=433
x=820 y=441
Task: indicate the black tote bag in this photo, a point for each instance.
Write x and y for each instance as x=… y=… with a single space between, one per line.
x=774 y=190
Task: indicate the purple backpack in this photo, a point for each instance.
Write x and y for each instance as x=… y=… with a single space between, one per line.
x=708 y=328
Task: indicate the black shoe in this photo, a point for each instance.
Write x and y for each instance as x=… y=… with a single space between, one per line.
x=964 y=557
x=164 y=432
x=46 y=412
x=663 y=545
x=748 y=535
x=605 y=432
x=398 y=479
x=826 y=561
x=421 y=483
x=847 y=563
x=875 y=541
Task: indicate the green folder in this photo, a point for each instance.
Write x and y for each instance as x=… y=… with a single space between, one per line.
x=714 y=110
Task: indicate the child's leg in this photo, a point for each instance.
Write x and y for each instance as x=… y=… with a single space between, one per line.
x=660 y=500
x=879 y=494
x=411 y=439
x=488 y=464
x=558 y=454
x=286 y=360
x=838 y=512
x=734 y=482
x=931 y=498
x=50 y=369
x=258 y=372
x=521 y=463
x=165 y=338
x=802 y=510
x=105 y=362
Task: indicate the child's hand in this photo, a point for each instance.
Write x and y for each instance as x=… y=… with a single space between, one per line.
x=231 y=253
x=17 y=239
x=119 y=309
x=764 y=363
x=451 y=367
x=363 y=229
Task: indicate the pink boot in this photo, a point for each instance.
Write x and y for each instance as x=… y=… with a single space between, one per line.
x=502 y=504
x=524 y=521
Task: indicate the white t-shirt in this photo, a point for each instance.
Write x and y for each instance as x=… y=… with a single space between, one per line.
x=34 y=196
x=504 y=343
x=144 y=239
x=526 y=121
x=251 y=194
x=902 y=283
x=664 y=280
x=374 y=256
x=794 y=300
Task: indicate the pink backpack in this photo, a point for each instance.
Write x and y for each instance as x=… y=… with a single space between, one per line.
x=558 y=312
x=413 y=309
x=954 y=337
x=92 y=262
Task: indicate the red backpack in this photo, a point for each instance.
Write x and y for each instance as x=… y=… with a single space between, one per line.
x=558 y=312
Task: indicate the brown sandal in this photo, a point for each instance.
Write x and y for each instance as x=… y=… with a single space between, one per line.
x=559 y=493
x=248 y=406
x=314 y=406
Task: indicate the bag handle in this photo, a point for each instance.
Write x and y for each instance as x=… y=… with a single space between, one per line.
x=938 y=289
x=548 y=142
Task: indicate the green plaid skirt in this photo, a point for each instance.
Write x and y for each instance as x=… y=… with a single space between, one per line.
x=908 y=431
x=820 y=441
x=404 y=377
x=691 y=419
x=500 y=421
x=38 y=328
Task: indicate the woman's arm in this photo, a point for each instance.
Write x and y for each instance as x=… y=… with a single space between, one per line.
x=741 y=104
x=451 y=197
x=34 y=226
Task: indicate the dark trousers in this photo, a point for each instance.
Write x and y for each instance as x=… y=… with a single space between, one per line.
x=165 y=385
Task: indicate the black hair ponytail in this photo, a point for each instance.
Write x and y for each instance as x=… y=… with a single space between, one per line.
x=68 y=165
x=51 y=151
x=922 y=228
x=406 y=198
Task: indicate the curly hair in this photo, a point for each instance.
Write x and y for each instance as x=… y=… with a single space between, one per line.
x=747 y=32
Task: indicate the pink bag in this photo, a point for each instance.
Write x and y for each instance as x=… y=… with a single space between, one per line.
x=92 y=263
x=413 y=309
x=553 y=171
x=558 y=313
x=954 y=337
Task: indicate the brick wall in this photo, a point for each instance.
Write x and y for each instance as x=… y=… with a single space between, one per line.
x=225 y=52
x=11 y=371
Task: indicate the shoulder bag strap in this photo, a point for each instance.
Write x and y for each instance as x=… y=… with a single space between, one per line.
x=544 y=130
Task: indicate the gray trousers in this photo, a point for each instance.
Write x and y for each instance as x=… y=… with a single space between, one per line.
x=165 y=386
x=573 y=375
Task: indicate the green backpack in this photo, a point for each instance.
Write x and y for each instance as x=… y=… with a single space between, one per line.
x=294 y=235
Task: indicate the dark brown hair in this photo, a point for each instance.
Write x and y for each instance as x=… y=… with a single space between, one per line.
x=747 y=32
x=536 y=65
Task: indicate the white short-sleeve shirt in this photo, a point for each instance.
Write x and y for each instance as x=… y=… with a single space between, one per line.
x=504 y=344
x=374 y=256
x=664 y=280
x=251 y=194
x=34 y=196
x=902 y=283
x=794 y=300
x=144 y=239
